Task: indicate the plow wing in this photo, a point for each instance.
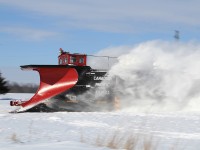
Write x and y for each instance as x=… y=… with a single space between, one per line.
x=54 y=79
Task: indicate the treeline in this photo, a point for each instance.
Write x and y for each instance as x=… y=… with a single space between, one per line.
x=22 y=88
x=13 y=87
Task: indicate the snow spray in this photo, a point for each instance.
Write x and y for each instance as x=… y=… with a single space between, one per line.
x=158 y=76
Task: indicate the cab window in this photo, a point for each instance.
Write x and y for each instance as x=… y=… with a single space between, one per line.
x=72 y=59
x=81 y=60
x=60 y=61
x=66 y=61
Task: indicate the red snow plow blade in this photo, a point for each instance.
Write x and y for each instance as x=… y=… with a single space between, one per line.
x=54 y=79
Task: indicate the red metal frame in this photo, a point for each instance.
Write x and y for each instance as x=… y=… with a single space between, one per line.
x=52 y=82
x=72 y=59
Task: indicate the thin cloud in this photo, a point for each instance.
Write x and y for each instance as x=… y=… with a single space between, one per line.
x=115 y=16
x=28 y=33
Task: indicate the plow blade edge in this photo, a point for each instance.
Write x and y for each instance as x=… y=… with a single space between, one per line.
x=53 y=81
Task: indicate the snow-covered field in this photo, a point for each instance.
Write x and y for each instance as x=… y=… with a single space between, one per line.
x=77 y=131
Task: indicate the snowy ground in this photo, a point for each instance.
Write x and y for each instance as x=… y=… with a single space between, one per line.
x=75 y=131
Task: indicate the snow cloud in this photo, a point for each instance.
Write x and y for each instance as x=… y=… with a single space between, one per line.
x=159 y=76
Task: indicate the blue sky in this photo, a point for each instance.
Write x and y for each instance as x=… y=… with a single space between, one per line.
x=31 y=32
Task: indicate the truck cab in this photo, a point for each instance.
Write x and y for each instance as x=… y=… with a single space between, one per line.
x=76 y=59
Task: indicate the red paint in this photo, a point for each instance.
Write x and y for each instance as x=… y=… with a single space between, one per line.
x=52 y=82
x=66 y=58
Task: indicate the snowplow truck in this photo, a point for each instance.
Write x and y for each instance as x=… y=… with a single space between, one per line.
x=69 y=86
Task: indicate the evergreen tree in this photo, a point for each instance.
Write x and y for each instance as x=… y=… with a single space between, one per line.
x=3 y=87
